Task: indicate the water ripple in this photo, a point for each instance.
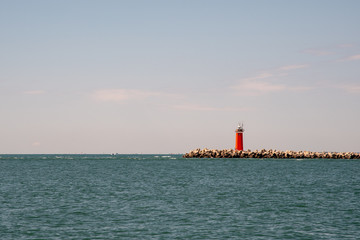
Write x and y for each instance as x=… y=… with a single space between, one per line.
x=167 y=197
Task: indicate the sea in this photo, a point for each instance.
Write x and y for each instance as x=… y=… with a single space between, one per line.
x=170 y=197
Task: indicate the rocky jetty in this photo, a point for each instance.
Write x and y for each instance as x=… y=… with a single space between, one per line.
x=231 y=153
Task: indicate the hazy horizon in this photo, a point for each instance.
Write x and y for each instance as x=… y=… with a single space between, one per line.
x=172 y=76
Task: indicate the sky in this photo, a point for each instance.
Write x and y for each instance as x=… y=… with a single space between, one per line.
x=172 y=76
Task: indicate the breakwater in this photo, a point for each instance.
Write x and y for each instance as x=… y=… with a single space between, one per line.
x=231 y=153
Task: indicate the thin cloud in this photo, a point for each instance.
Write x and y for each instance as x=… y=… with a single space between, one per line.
x=350 y=88
x=350 y=58
x=264 y=83
x=300 y=88
x=259 y=76
x=34 y=92
x=292 y=67
x=36 y=144
x=123 y=95
x=279 y=72
x=258 y=88
x=346 y=45
x=318 y=52
x=120 y=95
x=194 y=107
x=328 y=51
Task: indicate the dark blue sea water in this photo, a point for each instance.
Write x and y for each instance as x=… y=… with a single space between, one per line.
x=168 y=197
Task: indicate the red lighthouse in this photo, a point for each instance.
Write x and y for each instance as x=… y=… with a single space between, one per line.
x=239 y=145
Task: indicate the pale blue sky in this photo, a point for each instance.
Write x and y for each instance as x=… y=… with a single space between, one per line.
x=171 y=76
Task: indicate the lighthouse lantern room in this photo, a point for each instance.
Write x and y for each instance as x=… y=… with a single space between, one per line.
x=239 y=145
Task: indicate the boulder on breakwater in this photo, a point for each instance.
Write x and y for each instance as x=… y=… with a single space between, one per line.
x=231 y=153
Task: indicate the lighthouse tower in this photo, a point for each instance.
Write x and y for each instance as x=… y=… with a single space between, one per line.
x=239 y=145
